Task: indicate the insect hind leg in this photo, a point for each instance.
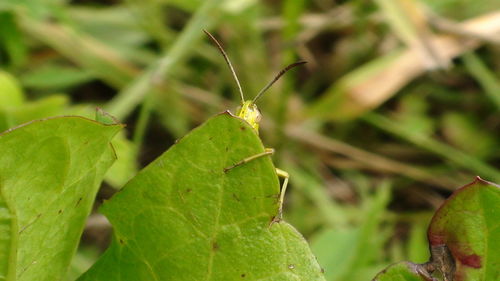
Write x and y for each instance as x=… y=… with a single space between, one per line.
x=268 y=151
x=286 y=177
x=279 y=172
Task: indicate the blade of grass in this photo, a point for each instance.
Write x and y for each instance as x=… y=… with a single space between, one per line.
x=142 y=123
x=370 y=159
x=81 y=49
x=132 y=95
x=12 y=40
x=333 y=214
x=484 y=77
x=409 y=23
x=368 y=231
x=449 y=26
x=150 y=15
x=417 y=242
x=455 y=156
x=292 y=10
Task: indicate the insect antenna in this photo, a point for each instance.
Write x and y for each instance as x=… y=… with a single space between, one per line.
x=283 y=71
x=226 y=58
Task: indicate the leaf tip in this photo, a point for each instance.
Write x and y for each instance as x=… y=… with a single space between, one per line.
x=105 y=118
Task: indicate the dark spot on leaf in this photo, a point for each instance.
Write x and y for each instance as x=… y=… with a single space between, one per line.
x=236 y=197
x=242 y=128
x=121 y=241
x=227 y=148
x=78 y=202
x=210 y=138
x=59 y=212
x=215 y=246
x=322 y=270
x=188 y=190
x=473 y=261
x=243 y=275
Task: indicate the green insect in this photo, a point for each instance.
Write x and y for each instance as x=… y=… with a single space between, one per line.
x=249 y=112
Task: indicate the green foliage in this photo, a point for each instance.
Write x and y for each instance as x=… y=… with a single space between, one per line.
x=367 y=110
x=343 y=250
x=15 y=110
x=10 y=92
x=50 y=171
x=184 y=218
x=403 y=271
x=467 y=223
x=463 y=236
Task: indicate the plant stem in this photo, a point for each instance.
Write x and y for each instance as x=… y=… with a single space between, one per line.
x=484 y=77
x=456 y=156
x=136 y=92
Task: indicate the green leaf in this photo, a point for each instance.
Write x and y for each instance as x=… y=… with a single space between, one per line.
x=417 y=242
x=184 y=218
x=55 y=77
x=7 y=240
x=467 y=224
x=42 y=108
x=459 y=128
x=50 y=171
x=485 y=77
x=10 y=91
x=464 y=239
x=343 y=251
x=403 y=271
x=125 y=166
x=12 y=40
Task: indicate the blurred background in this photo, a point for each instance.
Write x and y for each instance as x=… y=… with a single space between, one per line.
x=398 y=105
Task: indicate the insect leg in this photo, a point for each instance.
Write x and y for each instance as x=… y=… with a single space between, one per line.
x=268 y=151
x=285 y=177
x=281 y=174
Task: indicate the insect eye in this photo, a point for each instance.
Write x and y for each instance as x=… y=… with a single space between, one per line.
x=258 y=115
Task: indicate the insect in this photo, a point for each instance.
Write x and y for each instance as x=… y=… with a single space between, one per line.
x=249 y=112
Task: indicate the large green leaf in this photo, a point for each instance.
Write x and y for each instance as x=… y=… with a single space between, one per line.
x=49 y=106
x=10 y=92
x=464 y=237
x=403 y=271
x=14 y=110
x=184 y=218
x=468 y=225
x=50 y=171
